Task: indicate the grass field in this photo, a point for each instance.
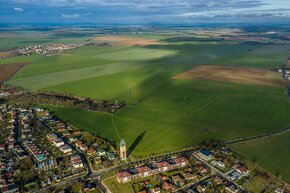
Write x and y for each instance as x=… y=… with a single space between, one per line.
x=15 y=39
x=95 y=122
x=185 y=111
x=256 y=185
x=112 y=72
x=177 y=114
x=240 y=75
x=271 y=153
x=115 y=186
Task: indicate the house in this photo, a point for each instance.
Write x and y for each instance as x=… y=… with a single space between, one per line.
x=76 y=132
x=91 y=151
x=66 y=149
x=155 y=190
x=201 y=188
x=58 y=142
x=167 y=186
x=279 y=190
x=51 y=137
x=2 y=147
x=205 y=155
x=177 y=180
x=201 y=169
x=81 y=146
x=111 y=156
x=231 y=189
x=72 y=139
x=243 y=171
x=235 y=176
x=10 y=146
x=163 y=166
x=66 y=133
x=218 y=180
x=60 y=127
x=76 y=161
x=124 y=177
x=190 y=176
x=218 y=164
x=101 y=152
x=143 y=171
x=181 y=161
x=221 y=164
x=39 y=110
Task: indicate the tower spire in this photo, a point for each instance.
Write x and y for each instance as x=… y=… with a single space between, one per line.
x=123 y=150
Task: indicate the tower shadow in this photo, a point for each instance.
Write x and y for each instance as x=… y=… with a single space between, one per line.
x=136 y=142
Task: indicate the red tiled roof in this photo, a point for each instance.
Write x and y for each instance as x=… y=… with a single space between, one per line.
x=180 y=160
x=123 y=174
x=243 y=169
x=162 y=164
x=166 y=186
x=143 y=169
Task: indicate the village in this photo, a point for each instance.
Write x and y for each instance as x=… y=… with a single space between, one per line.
x=198 y=171
x=46 y=49
x=38 y=150
x=189 y=173
x=41 y=152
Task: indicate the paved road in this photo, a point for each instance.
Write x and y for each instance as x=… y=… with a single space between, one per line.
x=83 y=156
x=95 y=175
x=216 y=171
x=193 y=183
x=265 y=135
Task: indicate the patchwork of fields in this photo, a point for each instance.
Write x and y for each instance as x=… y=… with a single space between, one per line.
x=126 y=73
x=174 y=112
x=8 y=70
x=240 y=75
x=204 y=110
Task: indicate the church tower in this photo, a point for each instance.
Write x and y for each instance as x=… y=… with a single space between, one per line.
x=123 y=152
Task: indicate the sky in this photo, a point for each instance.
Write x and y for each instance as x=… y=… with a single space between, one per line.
x=144 y=11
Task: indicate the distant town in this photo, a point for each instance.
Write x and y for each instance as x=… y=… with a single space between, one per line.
x=47 y=49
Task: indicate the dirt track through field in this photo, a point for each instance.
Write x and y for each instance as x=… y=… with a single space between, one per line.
x=7 y=70
x=128 y=41
x=241 y=75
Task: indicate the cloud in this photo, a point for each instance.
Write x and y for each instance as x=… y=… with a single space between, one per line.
x=148 y=10
x=211 y=4
x=71 y=16
x=18 y=9
x=262 y=14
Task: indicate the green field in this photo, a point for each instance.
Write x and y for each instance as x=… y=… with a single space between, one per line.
x=11 y=40
x=172 y=113
x=129 y=73
x=95 y=122
x=177 y=114
x=115 y=186
x=271 y=153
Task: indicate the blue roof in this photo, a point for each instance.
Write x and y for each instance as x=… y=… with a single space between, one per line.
x=205 y=152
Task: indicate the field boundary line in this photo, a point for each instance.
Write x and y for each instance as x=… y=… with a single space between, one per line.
x=112 y=118
x=22 y=63
x=261 y=136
